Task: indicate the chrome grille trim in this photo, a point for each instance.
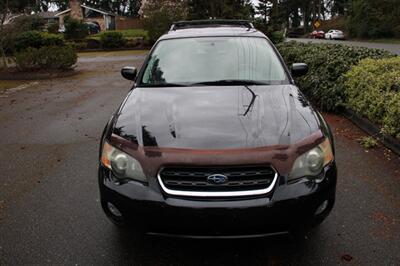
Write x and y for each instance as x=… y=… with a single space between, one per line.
x=254 y=192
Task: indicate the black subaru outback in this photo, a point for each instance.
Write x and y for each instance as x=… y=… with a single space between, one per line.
x=216 y=140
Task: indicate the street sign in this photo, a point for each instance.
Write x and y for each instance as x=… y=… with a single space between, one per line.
x=317 y=23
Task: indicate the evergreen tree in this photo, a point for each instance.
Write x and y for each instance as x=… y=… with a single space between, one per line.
x=227 y=9
x=373 y=19
x=120 y=7
x=263 y=9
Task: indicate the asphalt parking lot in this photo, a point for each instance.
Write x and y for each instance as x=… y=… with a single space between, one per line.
x=49 y=202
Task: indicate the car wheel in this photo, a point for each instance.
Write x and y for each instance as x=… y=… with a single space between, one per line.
x=330 y=37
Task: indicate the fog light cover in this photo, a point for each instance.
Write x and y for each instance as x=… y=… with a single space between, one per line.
x=321 y=207
x=113 y=210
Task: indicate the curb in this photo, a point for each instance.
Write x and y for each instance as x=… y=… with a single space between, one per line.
x=373 y=130
x=37 y=75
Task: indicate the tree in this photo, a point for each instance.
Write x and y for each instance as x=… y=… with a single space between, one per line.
x=120 y=7
x=220 y=9
x=263 y=8
x=338 y=7
x=7 y=8
x=160 y=14
x=372 y=19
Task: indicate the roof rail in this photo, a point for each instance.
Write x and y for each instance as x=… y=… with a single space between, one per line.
x=210 y=23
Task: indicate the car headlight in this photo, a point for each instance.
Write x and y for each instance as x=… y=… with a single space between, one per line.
x=311 y=163
x=122 y=164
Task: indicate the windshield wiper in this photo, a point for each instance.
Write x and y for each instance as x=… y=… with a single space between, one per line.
x=253 y=98
x=232 y=82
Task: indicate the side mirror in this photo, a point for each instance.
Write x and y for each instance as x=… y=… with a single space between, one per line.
x=299 y=69
x=129 y=73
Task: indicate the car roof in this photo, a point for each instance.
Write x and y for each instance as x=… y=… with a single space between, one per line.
x=212 y=28
x=212 y=32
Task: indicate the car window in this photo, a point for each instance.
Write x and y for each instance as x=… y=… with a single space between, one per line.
x=196 y=60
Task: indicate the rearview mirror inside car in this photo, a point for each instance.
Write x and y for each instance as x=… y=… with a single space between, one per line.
x=129 y=73
x=299 y=69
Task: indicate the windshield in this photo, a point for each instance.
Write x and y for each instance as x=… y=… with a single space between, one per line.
x=195 y=61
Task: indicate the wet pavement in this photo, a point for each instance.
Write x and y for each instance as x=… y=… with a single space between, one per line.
x=49 y=201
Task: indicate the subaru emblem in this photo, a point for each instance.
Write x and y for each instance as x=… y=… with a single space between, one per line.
x=217 y=179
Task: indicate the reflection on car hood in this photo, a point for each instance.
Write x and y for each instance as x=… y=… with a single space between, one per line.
x=215 y=117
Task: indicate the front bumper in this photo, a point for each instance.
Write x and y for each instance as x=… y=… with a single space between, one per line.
x=289 y=206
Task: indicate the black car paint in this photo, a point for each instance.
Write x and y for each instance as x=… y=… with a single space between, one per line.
x=214 y=117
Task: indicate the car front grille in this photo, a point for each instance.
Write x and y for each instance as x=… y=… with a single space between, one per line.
x=236 y=181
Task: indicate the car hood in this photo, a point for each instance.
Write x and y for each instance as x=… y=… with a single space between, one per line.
x=216 y=117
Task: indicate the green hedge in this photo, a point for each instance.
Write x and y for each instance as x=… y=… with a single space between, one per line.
x=46 y=58
x=373 y=91
x=112 y=39
x=36 y=39
x=324 y=84
x=129 y=34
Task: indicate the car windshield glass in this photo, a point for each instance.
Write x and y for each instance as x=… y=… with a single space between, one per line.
x=196 y=61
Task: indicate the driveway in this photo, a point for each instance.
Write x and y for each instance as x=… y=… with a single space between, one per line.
x=49 y=202
x=394 y=48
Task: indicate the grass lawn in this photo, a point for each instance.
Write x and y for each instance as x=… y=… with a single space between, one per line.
x=132 y=33
x=8 y=84
x=393 y=41
x=389 y=41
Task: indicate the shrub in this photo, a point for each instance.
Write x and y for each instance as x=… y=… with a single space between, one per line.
x=93 y=43
x=372 y=90
x=324 y=84
x=22 y=24
x=296 y=32
x=50 y=39
x=130 y=34
x=368 y=142
x=53 y=28
x=55 y=57
x=78 y=45
x=28 y=23
x=112 y=39
x=274 y=36
x=7 y=39
x=138 y=42
x=47 y=57
x=27 y=59
x=75 y=29
x=277 y=37
x=33 y=39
